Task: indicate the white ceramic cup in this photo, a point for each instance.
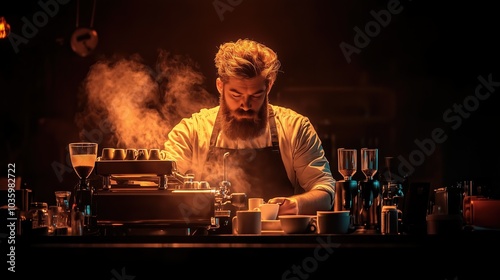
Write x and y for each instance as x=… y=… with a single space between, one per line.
x=142 y=154
x=247 y=222
x=255 y=202
x=298 y=223
x=119 y=154
x=107 y=153
x=130 y=154
x=269 y=211
x=157 y=154
x=333 y=222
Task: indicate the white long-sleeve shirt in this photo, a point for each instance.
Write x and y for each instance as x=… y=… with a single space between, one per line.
x=300 y=147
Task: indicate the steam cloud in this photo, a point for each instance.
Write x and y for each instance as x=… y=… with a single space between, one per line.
x=137 y=106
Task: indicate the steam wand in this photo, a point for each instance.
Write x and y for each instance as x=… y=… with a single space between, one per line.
x=223 y=197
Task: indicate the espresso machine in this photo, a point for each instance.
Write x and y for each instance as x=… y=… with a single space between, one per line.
x=346 y=194
x=369 y=201
x=151 y=197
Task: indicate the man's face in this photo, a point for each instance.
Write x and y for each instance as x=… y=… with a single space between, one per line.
x=244 y=106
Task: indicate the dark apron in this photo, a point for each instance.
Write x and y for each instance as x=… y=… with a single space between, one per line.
x=255 y=172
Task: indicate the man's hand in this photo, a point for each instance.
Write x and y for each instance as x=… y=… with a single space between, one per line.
x=307 y=203
x=288 y=205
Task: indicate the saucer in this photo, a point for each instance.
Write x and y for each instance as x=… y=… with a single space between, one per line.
x=273 y=232
x=271 y=225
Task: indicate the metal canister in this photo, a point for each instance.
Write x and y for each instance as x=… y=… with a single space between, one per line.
x=389 y=220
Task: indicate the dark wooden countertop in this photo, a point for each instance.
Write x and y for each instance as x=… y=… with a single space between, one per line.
x=266 y=240
x=466 y=255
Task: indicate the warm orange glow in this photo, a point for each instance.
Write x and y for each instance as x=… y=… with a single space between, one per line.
x=4 y=28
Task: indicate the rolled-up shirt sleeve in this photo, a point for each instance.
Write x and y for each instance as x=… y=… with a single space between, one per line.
x=303 y=154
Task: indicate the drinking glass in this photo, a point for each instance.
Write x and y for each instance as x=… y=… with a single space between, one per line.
x=83 y=156
x=62 y=205
x=347 y=161
x=369 y=162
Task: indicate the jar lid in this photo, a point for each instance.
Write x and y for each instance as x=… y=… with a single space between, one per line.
x=38 y=204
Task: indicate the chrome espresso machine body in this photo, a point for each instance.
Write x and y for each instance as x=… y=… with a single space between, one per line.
x=151 y=197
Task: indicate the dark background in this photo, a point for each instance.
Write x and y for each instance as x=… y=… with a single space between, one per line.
x=426 y=59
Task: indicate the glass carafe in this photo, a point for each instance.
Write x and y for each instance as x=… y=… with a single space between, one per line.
x=369 y=162
x=347 y=189
x=347 y=161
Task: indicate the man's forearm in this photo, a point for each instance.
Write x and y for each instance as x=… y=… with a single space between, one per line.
x=312 y=201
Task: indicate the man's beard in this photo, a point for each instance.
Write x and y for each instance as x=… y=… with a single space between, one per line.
x=243 y=128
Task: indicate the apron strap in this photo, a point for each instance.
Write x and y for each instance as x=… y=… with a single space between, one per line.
x=274 y=131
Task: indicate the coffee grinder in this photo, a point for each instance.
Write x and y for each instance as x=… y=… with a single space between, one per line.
x=370 y=196
x=346 y=189
x=393 y=189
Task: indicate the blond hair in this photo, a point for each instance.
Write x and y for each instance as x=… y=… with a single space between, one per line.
x=246 y=59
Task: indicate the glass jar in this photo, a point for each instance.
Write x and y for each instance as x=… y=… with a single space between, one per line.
x=39 y=215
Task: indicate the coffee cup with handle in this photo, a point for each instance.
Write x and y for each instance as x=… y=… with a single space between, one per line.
x=131 y=154
x=157 y=154
x=247 y=222
x=333 y=222
x=269 y=211
x=142 y=154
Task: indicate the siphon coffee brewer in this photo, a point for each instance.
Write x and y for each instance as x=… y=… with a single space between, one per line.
x=369 y=190
x=347 y=189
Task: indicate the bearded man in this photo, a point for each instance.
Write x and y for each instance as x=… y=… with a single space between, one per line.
x=263 y=150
